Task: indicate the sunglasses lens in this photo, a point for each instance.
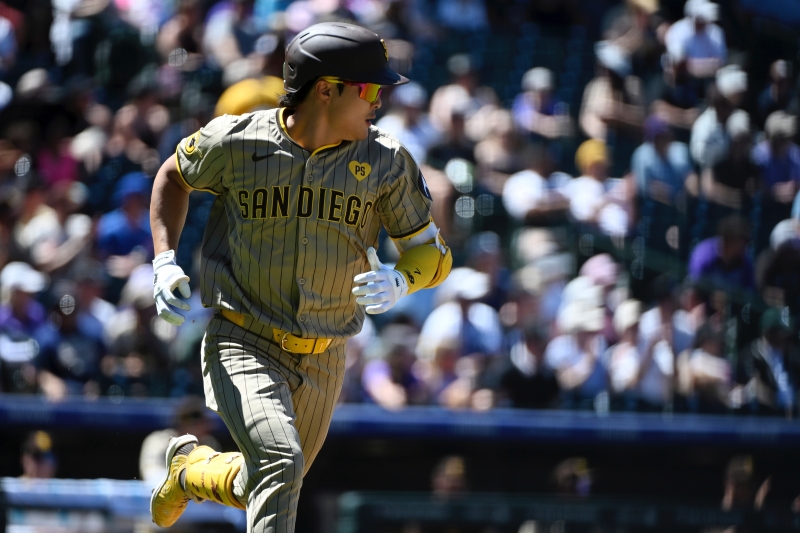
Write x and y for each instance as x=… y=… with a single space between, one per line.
x=370 y=92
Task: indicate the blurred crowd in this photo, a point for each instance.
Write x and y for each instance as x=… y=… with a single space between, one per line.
x=618 y=181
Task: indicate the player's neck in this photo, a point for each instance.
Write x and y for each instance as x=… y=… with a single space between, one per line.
x=309 y=128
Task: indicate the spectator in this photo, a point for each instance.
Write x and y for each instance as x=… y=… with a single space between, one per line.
x=454 y=143
x=740 y=485
x=55 y=162
x=20 y=313
x=677 y=100
x=779 y=95
x=662 y=336
x=778 y=158
x=778 y=267
x=603 y=273
x=408 y=121
x=711 y=135
x=612 y=110
x=70 y=349
x=624 y=359
x=464 y=93
x=449 y=478
x=138 y=345
x=634 y=27
x=56 y=250
x=390 y=378
x=460 y=338
x=730 y=184
x=183 y=31
x=769 y=368
x=660 y=166
x=191 y=416
x=593 y=198
x=527 y=195
x=463 y=316
x=8 y=46
x=36 y=221
x=705 y=377
x=355 y=359
x=527 y=382
x=721 y=262
x=572 y=478
x=498 y=152
x=537 y=111
x=485 y=255
x=696 y=40
x=694 y=306
x=576 y=355
x=248 y=95
x=230 y=33
x=38 y=460
x=439 y=357
x=462 y=15
x=91 y=277
x=123 y=235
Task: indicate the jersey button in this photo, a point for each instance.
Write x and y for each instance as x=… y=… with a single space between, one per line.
x=302 y=318
x=301 y=281
x=311 y=178
x=304 y=240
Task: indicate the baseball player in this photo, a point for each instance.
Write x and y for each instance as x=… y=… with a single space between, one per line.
x=289 y=264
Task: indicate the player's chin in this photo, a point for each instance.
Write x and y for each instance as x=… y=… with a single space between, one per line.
x=362 y=133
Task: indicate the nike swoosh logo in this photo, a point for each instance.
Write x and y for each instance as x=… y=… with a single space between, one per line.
x=257 y=158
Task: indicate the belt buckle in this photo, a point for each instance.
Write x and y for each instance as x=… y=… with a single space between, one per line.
x=283 y=342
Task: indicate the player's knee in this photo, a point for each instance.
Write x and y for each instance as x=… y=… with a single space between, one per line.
x=298 y=466
x=289 y=469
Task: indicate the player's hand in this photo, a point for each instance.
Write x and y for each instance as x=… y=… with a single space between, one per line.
x=380 y=288
x=168 y=276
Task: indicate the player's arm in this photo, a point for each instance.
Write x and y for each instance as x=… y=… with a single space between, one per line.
x=198 y=164
x=425 y=262
x=169 y=204
x=425 y=259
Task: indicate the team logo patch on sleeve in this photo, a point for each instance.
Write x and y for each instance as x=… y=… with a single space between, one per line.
x=191 y=143
x=423 y=186
x=359 y=170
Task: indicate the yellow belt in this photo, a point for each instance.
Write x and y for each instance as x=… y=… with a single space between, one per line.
x=287 y=341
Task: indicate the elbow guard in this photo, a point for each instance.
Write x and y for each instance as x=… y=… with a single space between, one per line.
x=427 y=265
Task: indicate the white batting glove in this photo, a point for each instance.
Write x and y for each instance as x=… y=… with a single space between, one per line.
x=169 y=275
x=381 y=288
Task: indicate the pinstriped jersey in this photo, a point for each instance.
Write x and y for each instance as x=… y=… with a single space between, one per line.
x=290 y=228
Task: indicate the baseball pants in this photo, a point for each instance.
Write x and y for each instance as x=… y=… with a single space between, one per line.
x=277 y=406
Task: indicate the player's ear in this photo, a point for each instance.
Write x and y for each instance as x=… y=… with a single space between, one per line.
x=324 y=90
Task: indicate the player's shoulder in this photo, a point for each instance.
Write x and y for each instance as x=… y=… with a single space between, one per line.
x=386 y=143
x=260 y=118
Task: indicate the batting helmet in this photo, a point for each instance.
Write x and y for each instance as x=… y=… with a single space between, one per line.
x=337 y=49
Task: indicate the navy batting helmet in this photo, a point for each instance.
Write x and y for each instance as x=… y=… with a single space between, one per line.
x=346 y=51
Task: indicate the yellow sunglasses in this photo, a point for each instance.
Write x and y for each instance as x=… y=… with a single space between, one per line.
x=367 y=91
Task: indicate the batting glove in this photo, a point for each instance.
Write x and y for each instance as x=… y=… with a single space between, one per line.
x=169 y=275
x=382 y=286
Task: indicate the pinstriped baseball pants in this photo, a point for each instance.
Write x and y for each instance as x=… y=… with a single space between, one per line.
x=278 y=408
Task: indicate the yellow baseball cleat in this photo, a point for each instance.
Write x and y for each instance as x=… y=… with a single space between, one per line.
x=169 y=500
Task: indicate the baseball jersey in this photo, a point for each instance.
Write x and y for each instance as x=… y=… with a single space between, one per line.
x=289 y=228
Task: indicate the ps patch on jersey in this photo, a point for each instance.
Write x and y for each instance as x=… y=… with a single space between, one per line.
x=191 y=144
x=359 y=170
x=422 y=185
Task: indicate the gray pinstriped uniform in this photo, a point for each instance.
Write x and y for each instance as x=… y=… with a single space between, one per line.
x=286 y=235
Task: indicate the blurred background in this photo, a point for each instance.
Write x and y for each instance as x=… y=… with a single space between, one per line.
x=617 y=348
